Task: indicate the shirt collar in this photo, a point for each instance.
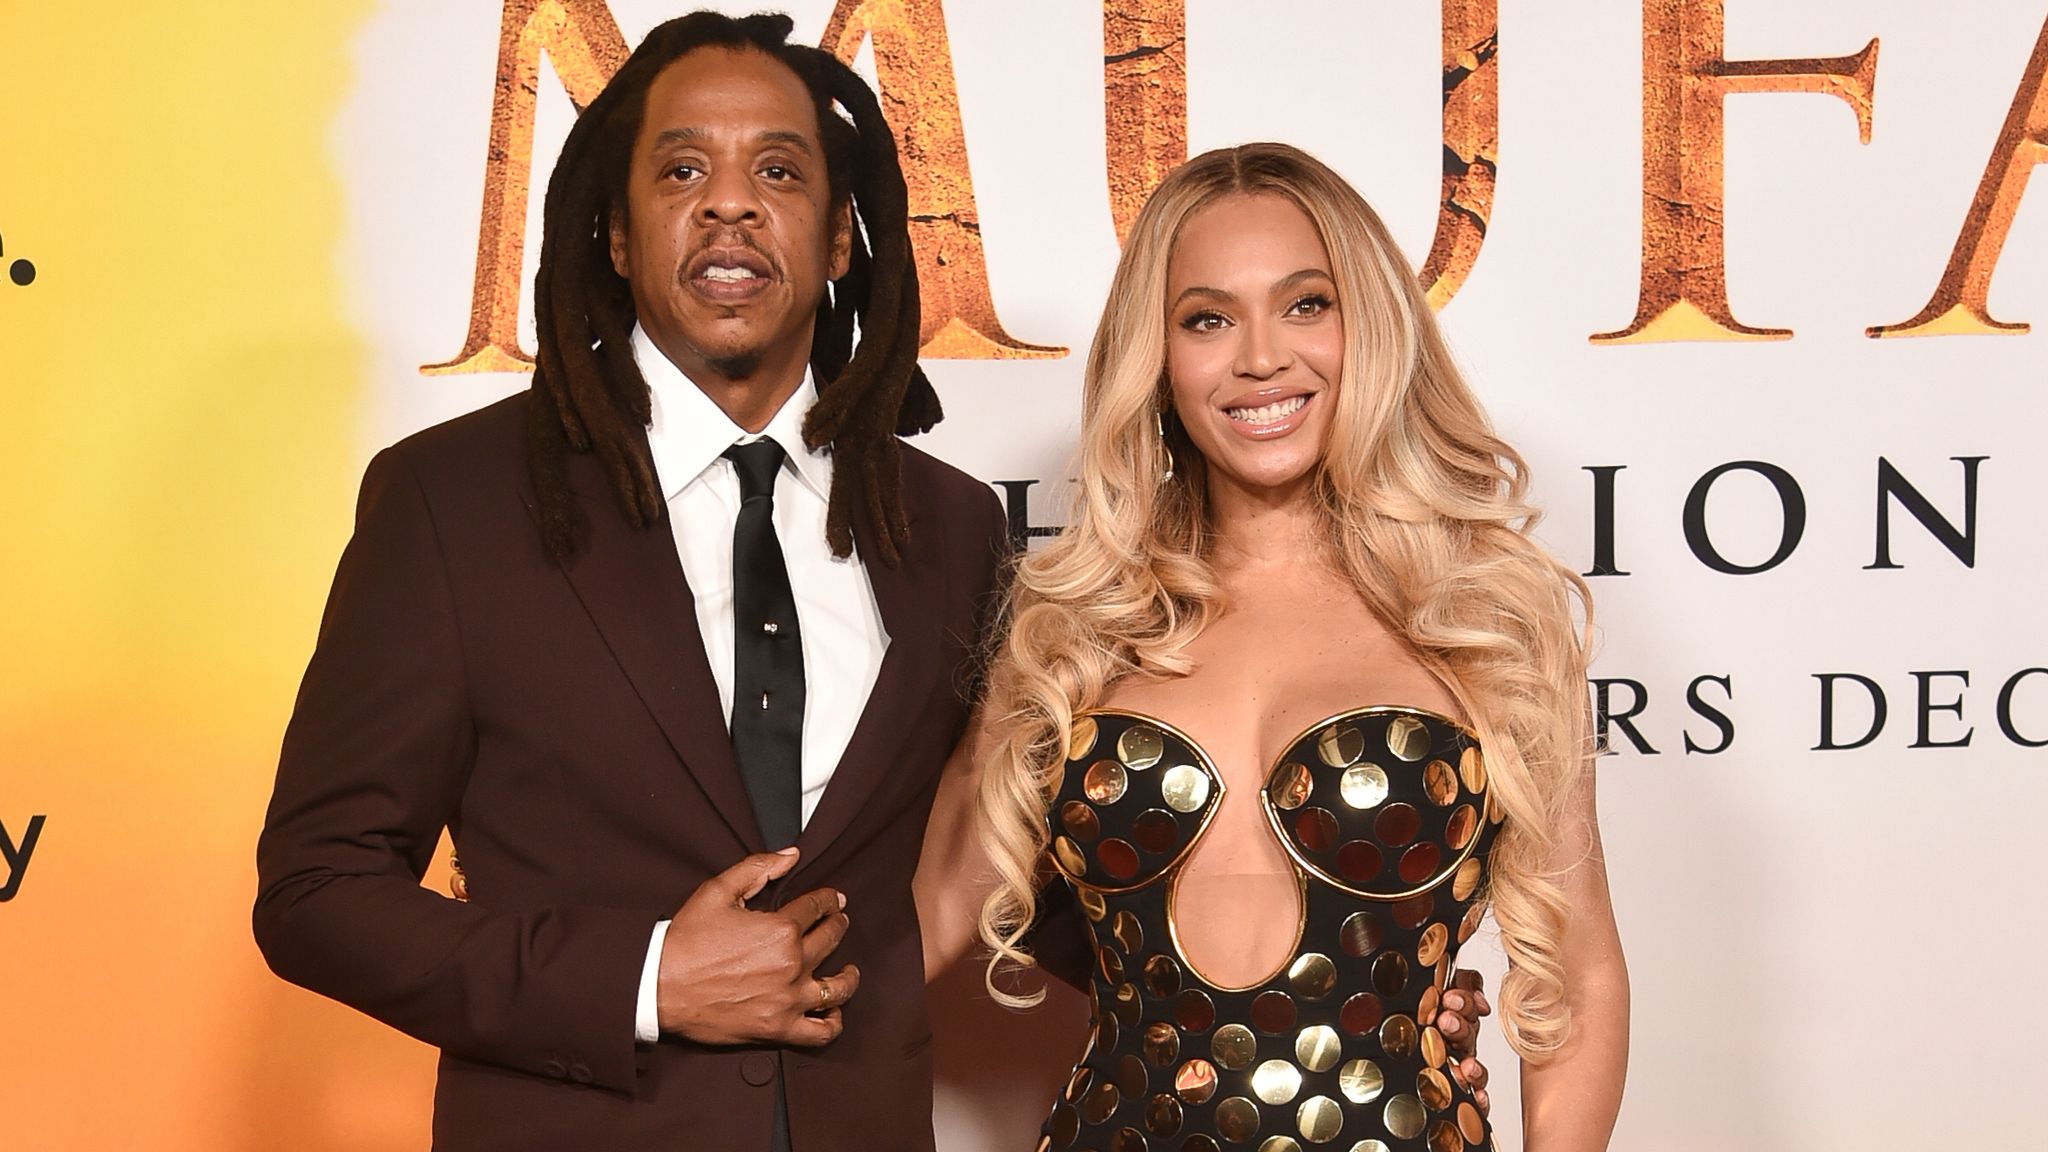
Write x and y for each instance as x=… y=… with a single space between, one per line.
x=688 y=431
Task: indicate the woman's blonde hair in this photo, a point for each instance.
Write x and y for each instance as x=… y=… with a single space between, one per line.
x=1423 y=509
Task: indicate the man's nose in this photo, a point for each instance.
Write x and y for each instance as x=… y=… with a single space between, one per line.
x=730 y=196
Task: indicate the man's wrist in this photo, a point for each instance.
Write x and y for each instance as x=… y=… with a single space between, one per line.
x=647 y=1010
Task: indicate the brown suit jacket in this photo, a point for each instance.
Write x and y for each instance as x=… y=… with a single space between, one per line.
x=563 y=724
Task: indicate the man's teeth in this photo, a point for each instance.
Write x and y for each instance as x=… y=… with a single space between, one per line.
x=717 y=272
x=1269 y=413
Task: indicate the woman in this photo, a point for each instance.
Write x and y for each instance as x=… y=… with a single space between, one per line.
x=1293 y=701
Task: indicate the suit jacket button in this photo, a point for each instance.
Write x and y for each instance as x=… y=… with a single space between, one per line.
x=757 y=1068
x=579 y=1073
x=555 y=1068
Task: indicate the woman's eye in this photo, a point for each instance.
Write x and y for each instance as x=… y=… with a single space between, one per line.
x=1314 y=304
x=1203 y=322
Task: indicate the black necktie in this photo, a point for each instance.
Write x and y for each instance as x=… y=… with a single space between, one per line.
x=768 y=653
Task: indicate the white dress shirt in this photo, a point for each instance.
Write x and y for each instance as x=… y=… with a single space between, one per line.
x=843 y=637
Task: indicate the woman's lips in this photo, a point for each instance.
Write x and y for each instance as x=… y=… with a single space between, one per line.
x=1270 y=420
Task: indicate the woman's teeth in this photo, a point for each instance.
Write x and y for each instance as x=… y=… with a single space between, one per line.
x=1269 y=413
x=728 y=275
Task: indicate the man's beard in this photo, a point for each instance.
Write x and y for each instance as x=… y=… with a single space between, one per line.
x=737 y=365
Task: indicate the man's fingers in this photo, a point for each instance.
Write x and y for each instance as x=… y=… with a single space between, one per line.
x=815 y=1031
x=1479 y=998
x=1467 y=979
x=1485 y=1105
x=836 y=989
x=813 y=906
x=744 y=880
x=822 y=939
x=1475 y=1073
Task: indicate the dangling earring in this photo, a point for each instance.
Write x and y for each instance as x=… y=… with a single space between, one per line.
x=1159 y=422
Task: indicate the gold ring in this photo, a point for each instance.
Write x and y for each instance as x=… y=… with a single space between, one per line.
x=824 y=996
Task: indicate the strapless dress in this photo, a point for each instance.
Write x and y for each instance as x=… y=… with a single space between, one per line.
x=1386 y=821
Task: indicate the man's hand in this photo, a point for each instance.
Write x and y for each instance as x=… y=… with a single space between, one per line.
x=730 y=975
x=1463 y=1006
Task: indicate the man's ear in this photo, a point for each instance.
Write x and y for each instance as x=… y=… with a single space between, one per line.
x=842 y=238
x=620 y=263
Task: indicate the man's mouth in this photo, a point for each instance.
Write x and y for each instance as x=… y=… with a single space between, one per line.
x=725 y=274
x=1272 y=413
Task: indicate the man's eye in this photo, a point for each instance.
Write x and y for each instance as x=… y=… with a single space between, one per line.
x=683 y=171
x=778 y=172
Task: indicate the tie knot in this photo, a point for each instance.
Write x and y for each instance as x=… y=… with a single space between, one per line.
x=757 y=464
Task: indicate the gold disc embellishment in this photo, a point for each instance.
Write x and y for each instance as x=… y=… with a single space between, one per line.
x=1363 y=785
x=1131 y=1077
x=1433 y=1053
x=1433 y=1089
x=1129 y=934
x=1319 y=1119
x=1155 y=830
x=1091 y=902
x=1397 y=1036
x=1465 y=881
x=1444 y=1138
x=1317 y=1048
x=1471 y=1124
x=1440 y=784
x=1361 y=1081
x=1404 y=1117
x=1128 y=1007
x=1279 y=1144
x=1141 y=746
x=1162 y=1043
x=1276 y=1082
x=1237 y=1119
x=1290 y=786
x=1070 y=858
x=1162 y=976
x=1360 y=934
x=1371 y=1146
x=1407 y=739
x=1081 y=738
x=1100 y=1102
x=1390 y=973
x=1128 y=1140
x=1080 y=821
x=1472 y=769
x=1194 y=1011
x=1185 y=788
x=1312 y=976
x=1196 y=1081
x=1340 y=745
x=1233 y=1046
x=1163 y=1115
x=1105 y=782
x=1435 y=939
x=1459 y=829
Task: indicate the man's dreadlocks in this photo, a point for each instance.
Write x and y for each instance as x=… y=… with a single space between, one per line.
x=588 y=394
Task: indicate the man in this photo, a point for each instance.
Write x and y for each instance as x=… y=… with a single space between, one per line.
x=675 y=644
x=538 y=639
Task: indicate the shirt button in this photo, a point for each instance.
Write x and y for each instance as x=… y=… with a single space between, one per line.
x=757 y=1068
x=555 y=1068
x=579 y=1073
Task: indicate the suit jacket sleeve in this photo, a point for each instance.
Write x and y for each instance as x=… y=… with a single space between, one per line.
x=374 y=763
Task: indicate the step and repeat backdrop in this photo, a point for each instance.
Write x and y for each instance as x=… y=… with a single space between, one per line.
x=1751 y=284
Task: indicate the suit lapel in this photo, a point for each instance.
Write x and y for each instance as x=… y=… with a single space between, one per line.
x=631 y=583
x=909 y=598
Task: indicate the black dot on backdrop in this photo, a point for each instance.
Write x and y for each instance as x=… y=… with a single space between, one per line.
x=22 y=272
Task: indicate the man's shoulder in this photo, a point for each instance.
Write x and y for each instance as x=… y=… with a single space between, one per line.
x=486 y=444
x=944 y=488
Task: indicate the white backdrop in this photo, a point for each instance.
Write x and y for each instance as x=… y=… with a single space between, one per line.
x=1787 y=911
